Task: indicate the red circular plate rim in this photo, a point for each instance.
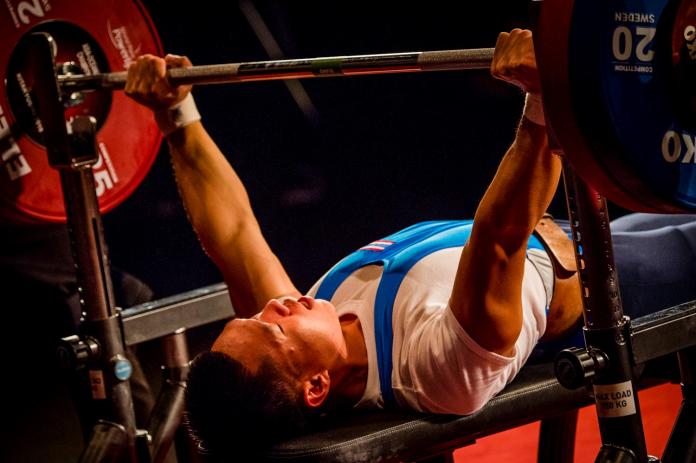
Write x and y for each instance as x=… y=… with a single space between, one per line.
x=26 y=213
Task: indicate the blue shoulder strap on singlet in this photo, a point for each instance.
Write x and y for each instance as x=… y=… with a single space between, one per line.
x=397 y=253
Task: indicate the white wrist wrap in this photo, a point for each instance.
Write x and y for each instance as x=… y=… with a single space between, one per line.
x=180 y=115
x=534 y=109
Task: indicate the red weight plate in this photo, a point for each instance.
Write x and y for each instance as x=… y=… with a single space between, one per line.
x=589 y=154
x=103 y=37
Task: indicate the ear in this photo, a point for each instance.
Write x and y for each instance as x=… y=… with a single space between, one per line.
x=316 y=389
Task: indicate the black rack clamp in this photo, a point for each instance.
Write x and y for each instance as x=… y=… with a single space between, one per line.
x=100 y=347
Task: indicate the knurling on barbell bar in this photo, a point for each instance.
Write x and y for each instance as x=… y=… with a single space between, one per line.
x=616 y=90
x=332 y=66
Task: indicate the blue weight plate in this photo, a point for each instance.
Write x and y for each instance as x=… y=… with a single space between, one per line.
x=620 y=66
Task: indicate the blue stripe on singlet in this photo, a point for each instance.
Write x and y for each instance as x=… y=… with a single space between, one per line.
x=403 y=250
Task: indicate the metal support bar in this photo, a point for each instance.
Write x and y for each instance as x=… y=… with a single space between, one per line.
x=167 y=414
x=198 y=307
x=166 y=418
x=681 y=445
x=106 y=444
x=664 y=332
x=606 y=328
x=557 y=438
x=72 y=150
x=332 y=66
x=88 y=244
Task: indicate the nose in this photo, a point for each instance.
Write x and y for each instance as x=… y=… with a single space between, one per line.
x=274 y=310
x=307 y=301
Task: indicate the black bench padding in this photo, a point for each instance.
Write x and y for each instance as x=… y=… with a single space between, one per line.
x=386 y=436
x=535 y=394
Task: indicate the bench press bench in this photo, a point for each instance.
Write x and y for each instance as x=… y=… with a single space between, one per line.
x=385 y=436
x=604 y=162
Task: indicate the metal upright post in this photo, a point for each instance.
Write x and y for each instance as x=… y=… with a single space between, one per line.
x=606 y=328
x=167 y=415
x=681 y=445
x=72 y=151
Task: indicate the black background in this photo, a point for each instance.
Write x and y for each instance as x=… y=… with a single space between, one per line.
x=383 y=152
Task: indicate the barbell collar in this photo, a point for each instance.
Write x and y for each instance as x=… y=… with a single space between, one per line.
x=333 y=66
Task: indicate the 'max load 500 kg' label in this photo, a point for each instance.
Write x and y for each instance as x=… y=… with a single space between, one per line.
x=614 y=400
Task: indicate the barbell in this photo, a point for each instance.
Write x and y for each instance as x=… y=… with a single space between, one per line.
x=616 y=87
x=332 y=66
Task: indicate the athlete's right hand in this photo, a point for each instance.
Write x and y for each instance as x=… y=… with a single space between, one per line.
x=147 y=81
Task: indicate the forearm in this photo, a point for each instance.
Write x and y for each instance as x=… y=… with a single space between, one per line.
x=486 y=295
x=215 y=199
x=219 y=210
x=521 y=190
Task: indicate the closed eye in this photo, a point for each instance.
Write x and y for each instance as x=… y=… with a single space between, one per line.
x=280 y=328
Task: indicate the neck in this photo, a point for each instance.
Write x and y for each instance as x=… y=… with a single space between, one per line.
x=349 y=372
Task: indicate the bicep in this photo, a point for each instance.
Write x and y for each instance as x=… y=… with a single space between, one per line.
x=486 y=298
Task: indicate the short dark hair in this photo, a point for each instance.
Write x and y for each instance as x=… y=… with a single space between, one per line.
x=232 y=411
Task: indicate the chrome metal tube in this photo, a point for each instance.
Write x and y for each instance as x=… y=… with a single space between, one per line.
x=333 y=66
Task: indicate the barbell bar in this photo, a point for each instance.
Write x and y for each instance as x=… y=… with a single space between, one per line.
x=332 y=66
x=618 y=96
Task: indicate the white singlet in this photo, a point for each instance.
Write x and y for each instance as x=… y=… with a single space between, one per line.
x=438 y=367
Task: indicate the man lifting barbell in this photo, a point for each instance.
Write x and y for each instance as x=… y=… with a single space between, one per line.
x=438 y=317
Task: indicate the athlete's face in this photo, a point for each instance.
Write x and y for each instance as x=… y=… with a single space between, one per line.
x=305 y=333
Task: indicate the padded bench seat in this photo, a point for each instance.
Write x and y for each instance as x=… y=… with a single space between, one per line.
x=535 y=394
x=386 y=436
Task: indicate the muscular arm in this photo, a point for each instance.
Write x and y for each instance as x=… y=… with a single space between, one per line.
x=219 y=210
x=215 y=198
x=486 y=299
